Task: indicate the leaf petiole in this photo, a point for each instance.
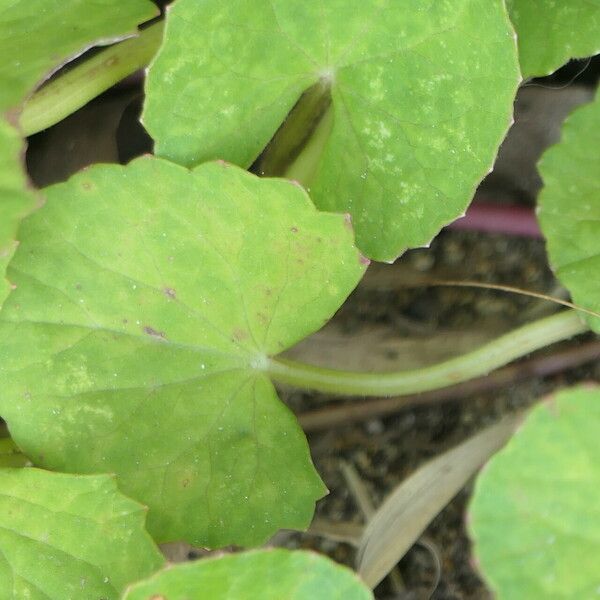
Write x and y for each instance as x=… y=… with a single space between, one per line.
x=67 y=93
x=494 y=354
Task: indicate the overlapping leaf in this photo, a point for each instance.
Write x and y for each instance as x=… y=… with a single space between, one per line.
x=422 y=95
x=148 y=300
x=39 y=35
x=67 y=536
x=259 y=575
x=534 y=515
x=569 y=207
x=36 y=37
x=551 y=32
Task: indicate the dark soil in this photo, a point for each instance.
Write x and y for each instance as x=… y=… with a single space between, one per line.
x=385 y=451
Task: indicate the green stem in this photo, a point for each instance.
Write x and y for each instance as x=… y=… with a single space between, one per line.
x=69 y=92
x=492 y=355
x=304 y=168
x=311 y=115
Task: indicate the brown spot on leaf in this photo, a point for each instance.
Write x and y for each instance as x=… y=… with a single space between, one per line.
x=239 y=335
x=157 y=334
x=157 y=597
x=185 y=483
x=170 y=292
x=294 y=229
x=348 y=220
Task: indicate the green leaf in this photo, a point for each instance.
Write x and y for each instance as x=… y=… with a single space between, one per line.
x=258 y=575
x=148 y=300
x=38 y=36
x=10 y=455
x=66 y=536
x=569 y=207
x=534 y=515
x=422 y=96
x=16 y=200
x=550 y=32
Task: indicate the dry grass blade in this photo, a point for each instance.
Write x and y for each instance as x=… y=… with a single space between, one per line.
x=514 y=290
x=403 y=517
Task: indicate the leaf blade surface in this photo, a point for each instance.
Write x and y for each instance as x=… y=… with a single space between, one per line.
x=68 y=536
x=263 y=574
x=148 y=301
x=417 y=114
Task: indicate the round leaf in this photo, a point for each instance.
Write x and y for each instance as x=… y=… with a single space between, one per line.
x=534 y=514
x=66 y=536
x=259 y=575
x=422 y=96
x=148 y=301
x=551 y=32
x=569 y=207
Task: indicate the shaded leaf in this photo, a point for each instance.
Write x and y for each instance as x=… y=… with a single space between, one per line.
x=258 y=575
x=569 y=207
x=418 y=113
x=67 y=536
x=403 y=517
x=148 y=301
x=550 y=32
x=534 y=514
x=10 y=455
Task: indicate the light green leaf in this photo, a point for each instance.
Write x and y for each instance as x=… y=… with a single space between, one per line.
x=534 y=515
x=418 y=109
x=66 y=536
x=38 y=36
x=16 y=200
x=551 y=32
x=258 y=575
x=148 y=300
x=569 y=207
